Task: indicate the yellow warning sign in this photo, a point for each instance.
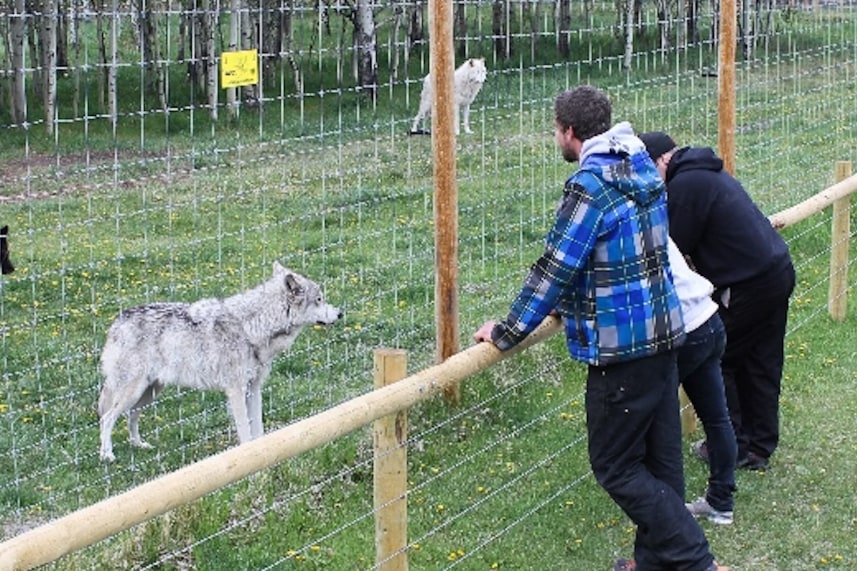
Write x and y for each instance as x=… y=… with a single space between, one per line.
x=239 y=68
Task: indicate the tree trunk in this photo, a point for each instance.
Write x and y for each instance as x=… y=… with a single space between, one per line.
x=664 y=24
x=289 y=48
x=74 y=52
x=629 y=34
x=234 y=31
x=367 y=56
x=415 y=24
x=62 y=39
x=563 y=27
x=48 y=40
x=531 y=12
x=101 y=36
x=398 y=13
x=498 y=29
x=112 y=65
x=251 y=19
x=209 y=19
x=154 y=73
x=459 y=32
x=692 y=22
x=18 y=32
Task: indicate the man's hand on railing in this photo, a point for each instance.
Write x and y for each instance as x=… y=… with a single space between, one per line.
x=484 y=332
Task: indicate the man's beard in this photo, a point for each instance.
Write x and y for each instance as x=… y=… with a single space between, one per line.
x=569 y=155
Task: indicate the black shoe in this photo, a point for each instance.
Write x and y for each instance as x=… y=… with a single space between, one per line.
x=753 y=461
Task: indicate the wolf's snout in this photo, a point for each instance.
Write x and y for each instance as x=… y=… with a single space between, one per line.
x=334 y=320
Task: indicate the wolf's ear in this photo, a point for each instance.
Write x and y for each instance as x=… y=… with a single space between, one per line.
x=292 y=284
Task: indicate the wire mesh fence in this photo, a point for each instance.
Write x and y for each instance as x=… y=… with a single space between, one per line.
x=128 y=175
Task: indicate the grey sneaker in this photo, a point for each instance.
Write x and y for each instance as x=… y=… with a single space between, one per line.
x=701 y=508
x=700 y=448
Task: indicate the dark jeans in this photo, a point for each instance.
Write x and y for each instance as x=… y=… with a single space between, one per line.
x=632 y=416
x=699 y=373
x=753 y=362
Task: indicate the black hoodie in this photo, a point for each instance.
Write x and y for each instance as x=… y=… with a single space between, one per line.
x=714 y=221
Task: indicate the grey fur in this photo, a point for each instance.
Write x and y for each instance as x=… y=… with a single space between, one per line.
x=222 y=344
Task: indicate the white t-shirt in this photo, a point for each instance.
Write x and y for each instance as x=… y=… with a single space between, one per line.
x=693 y=290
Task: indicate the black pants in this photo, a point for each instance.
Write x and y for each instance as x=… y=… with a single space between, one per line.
x=632 y=416
x=755 y=321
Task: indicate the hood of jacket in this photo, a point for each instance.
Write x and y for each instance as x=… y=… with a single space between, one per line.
x=700 y=158
x=620 y=159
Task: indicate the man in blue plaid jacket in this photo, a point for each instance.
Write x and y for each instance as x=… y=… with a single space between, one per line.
x=605 y=271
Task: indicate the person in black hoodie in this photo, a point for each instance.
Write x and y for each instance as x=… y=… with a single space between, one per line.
x=731 y=242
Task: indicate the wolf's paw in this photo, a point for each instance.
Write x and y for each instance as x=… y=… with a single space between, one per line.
x=107 y=456
x=141 y=444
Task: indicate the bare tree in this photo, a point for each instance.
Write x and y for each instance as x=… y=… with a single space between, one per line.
x=629 y=34
x=416 y=33
x=563 y=28
x=693 y=22
x=398 y=14
x=664 y=23
x=500 y=29
x=147 y=21
x=234 y=31
x=367 y=56
x=209 y=24
x=17 y=36
x=459 y=32
x=251 y=19
x=111 y=61
x=48 y=61
x=531 y=12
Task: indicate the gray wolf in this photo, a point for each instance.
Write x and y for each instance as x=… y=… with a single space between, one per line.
x=467 y=81
x=5 y=260
x=223 y=344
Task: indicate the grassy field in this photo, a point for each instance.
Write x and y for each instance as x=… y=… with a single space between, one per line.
x=499 y=483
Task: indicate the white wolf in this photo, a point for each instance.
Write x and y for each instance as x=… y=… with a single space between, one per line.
x=467 y=82
x=225 y=344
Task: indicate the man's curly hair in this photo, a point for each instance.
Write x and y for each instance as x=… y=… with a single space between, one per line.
x=585 y=109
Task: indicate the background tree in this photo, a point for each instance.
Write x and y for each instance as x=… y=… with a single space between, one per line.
x=17 y=36
x=48 y=61
x=367 y=57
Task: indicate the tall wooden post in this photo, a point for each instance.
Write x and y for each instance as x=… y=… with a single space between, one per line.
x=445 y=190
x=391 y=469
x=688 y=413
x=726 y=82
x=840 y=237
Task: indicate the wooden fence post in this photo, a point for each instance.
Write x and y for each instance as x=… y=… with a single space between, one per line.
x=840 y=238
x=391 y=469
x=688 y=413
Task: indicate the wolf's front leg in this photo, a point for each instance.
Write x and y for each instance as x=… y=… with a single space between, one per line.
x=235 y=397
x=254 y=409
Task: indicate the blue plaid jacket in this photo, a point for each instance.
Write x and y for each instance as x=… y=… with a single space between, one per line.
x=605 y=267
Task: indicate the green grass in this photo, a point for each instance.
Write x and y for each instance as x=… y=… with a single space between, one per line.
x=503 y=481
